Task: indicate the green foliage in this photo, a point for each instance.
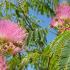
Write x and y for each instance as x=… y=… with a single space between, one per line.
x=56 y=55
x=43 y=6
x=56 y=48
x=14 y=63
x=65 y=57
x=53 y=56
x=37 y=38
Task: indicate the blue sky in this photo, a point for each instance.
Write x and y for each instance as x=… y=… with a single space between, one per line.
x=45 y=23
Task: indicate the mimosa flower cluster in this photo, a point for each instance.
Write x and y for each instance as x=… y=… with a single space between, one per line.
x=62 y=18
x=12 y=37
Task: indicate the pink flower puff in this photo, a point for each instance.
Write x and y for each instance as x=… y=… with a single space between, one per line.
x=63 y=11
x=3 y=65
x=62 y=17
x=55 y=22
x=12 y=32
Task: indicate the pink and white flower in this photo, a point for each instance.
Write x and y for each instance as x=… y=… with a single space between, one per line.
x=62 y=17
x=12 y=32
x=56 y=22
x=63 y=11
x=2 y=63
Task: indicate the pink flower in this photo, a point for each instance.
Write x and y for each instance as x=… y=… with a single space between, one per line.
x=62 y=17
x=16 y=50
x=2 y=63
x=63 y=11
x=56 y=22
x=11 y=31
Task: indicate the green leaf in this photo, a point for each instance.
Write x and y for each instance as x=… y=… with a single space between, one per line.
x=65 y=57
x=56 y=49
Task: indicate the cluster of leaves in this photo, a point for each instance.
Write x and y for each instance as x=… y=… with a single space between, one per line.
x=43 y=6
x=54 y=57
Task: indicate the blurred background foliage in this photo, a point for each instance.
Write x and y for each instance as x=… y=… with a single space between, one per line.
x=37 y=53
